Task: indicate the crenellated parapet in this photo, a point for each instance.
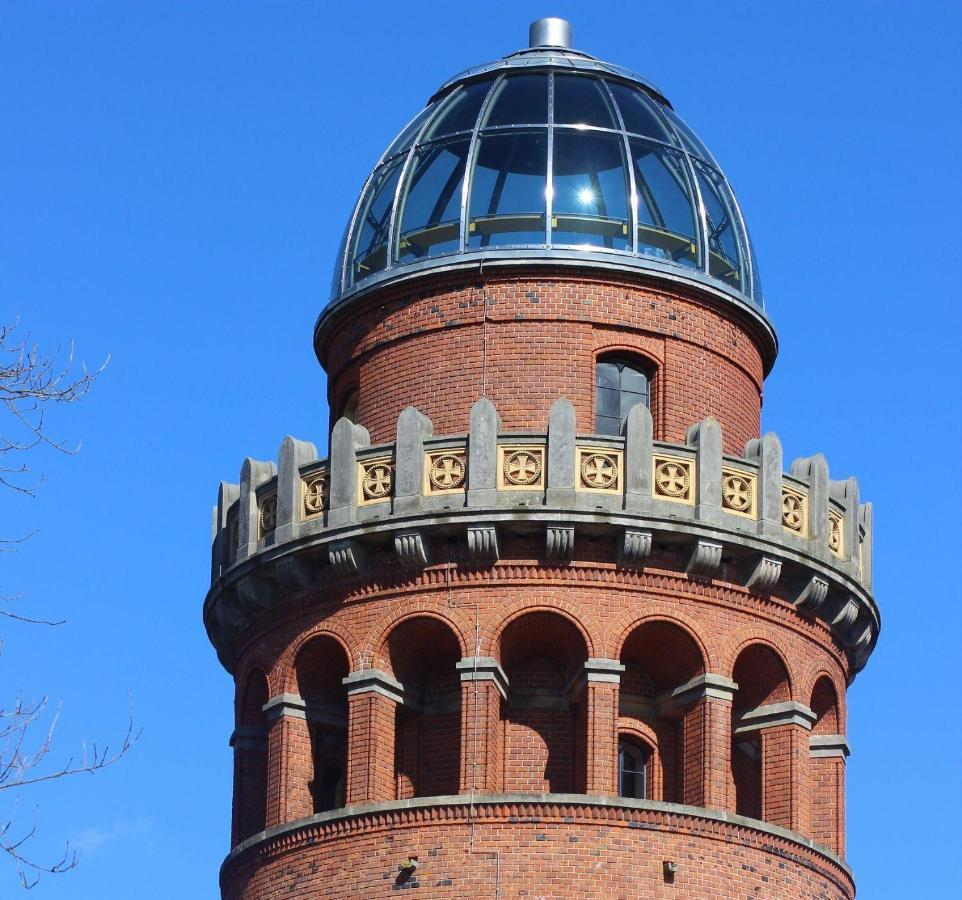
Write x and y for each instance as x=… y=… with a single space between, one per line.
x=798 y=535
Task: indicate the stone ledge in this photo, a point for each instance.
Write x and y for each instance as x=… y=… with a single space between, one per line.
x=457 y=808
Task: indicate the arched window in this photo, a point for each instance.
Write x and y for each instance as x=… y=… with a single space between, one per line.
x=619 y=385
x=632 y=770
x=349 y=406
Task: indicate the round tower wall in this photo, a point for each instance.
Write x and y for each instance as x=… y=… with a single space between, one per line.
x=526 y=339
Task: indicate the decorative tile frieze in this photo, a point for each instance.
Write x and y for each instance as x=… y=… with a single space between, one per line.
x=445 y=472
x=836 y=532
x=600 y=470
x=316 y=493
x=267 y=514
x=673 y=478
x=794 y=511
x=739 y=492
x=375 y=480
x=520 y=468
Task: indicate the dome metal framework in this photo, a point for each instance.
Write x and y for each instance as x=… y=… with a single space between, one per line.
x=548 y=154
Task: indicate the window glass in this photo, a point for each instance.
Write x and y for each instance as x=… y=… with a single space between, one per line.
x=430 y=209
x=371 y=228
x=632 y=770
x=665 y=209
x=619 y=385
x=462 y=112
x=638 y=113
x=520 y=100
x=724 y=252
x=590 y=196
x=581 y=101
x=507 y=203
x=404 y=140
x=691 y=140
x=338 y=263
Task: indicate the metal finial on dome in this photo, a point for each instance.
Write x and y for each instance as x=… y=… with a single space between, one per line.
x=550 y=32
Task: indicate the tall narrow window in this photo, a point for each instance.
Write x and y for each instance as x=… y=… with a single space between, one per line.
x=632 y=770
x=619 y=385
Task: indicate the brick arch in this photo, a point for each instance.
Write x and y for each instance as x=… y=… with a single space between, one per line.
x=749 y=643
x=811 y=676
x=311 y=676
x=243 y=673
x=376 y=642
x=644 y=350
x=247 y=710
x=619 y=633
x=825 y=702
x=743 y=639
x=282 y=677
x=586 y=624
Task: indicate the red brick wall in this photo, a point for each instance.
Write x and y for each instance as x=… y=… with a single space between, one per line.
x=535 y=850
x=543 y=335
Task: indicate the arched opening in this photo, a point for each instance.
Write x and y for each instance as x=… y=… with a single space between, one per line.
x=621 y=382
x=543 y=654
x=634 y=771
x=250 y=759
x=424 y=653
x=760 y=773
x=827 y=767
x=320 y=667
x=660 y=657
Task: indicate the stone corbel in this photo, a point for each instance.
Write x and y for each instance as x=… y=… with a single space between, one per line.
x=483 y=543
x=708 y=685
x=764 y=574
x=634 y=547
x=596 y=669
x=810 y=596
x=256 y=594
x=412 y=548
x=705 y=558
x=346 y=557
x=375 y=681
x=560 y=542
x=295 y=573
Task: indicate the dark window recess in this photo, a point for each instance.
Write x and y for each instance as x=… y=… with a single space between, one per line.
x=632 y=770
x=619 y=385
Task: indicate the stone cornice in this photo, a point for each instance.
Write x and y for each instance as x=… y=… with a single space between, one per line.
x=770 y=715
x=822 y=745
x=280 y=534
x=563 y=808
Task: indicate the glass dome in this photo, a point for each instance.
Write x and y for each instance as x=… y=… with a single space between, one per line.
x=548 y=153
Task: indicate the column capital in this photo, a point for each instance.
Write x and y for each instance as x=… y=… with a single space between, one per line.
x=374 y=681
x=718 y=687
x=249 y=737
x=484 y=668
x=770 y=715
x=826 y=745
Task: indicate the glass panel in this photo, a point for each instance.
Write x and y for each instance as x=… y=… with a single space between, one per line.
x=639 y=114
x=430 y=210
x=608 y=425
x=590 y=190
x=404 y=140
x=507 y=203
x=607 y=375
x=633 y=380
x=691 y=140
x=724 y=252
x=665 y=209
x=757 y=294
x=339 y=264
x=370 y=232
x=630 y=399
x=581 y=101
x=608 y=403
x=462 y=112
x=520 y=100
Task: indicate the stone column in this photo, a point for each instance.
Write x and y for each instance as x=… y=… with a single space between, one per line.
x=706 y=739
x=290 y=763
x=602 y=680
x=483 y=687
x=372 y=697
x=783 y=728
x=249 y=809
x=826 y=766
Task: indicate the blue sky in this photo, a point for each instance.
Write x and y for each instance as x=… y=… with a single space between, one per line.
x=176 y=179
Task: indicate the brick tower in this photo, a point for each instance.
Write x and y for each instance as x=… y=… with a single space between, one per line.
x=552 y=619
